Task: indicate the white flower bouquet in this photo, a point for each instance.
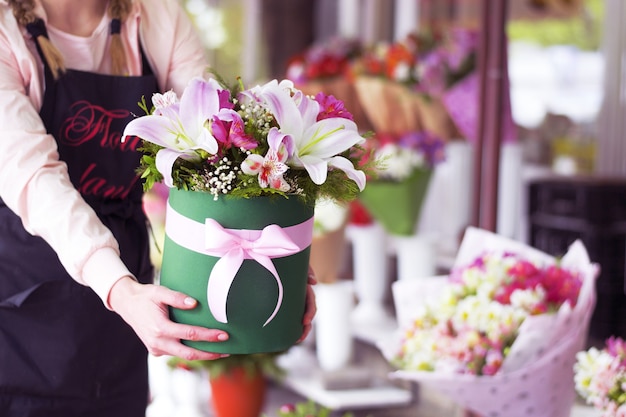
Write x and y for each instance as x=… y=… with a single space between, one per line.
x=498 y=335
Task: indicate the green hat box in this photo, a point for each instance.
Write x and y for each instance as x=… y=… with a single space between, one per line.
x=256 y=320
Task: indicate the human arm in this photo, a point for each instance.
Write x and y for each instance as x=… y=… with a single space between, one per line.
x=34 y=183
x=311 y=306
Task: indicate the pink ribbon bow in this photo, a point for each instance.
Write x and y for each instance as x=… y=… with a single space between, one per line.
x=232 y=246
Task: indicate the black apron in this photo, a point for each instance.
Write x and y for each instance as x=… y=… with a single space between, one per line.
x=62 y=353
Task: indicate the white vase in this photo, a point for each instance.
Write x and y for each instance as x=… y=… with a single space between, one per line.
x=190 y=399
x=509 y=190
x=333 y=334
x=415 y=256
x=159 y=375
x=370 y=266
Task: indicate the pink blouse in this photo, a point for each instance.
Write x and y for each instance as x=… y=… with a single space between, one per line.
x=33 y=182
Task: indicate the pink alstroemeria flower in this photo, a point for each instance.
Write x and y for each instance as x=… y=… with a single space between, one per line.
x=271 y=167
x=316 y=143
x=181 y=128
x=331 y=107
x=229 y=131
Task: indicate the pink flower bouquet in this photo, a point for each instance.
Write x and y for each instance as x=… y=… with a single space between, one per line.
x=600 y=377
x=499 y=335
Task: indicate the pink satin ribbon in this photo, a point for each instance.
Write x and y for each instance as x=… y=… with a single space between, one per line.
x=232 y=246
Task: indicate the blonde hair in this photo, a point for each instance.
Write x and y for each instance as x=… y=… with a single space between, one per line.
x=118 y=10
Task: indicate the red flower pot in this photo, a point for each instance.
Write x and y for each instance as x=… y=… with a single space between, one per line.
x=238 y=393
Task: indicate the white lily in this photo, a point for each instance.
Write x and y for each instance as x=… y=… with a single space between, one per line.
x=181 y=128
x=316 y=143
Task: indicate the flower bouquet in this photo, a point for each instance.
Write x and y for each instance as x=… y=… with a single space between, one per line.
x=329 y=241
x=449 y=80
x=499 y=335
x=600 y=377
x=387 y=78
x=245 y=168
x=325 y=66
x=394 y=198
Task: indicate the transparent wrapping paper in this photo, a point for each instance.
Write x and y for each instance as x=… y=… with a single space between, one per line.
x=393 y=108
x=460 y=103
x=390 y=107
x=537 y=377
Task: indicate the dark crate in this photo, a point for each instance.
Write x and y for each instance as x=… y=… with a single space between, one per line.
x=592 y=209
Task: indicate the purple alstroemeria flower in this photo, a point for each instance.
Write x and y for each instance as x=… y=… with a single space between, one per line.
x=429 y=144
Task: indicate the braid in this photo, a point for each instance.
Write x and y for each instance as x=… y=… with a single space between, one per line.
x=118 y=11
x=24 y=13
x=23 y=10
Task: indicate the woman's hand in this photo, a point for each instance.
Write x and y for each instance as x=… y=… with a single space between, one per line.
x=311 y=306
x=145 y=308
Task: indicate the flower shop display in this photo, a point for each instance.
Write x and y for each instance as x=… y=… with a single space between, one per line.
x=245 y=167
x=427 y=81
x=600 y=377
x=395 y=196
x=499 y=334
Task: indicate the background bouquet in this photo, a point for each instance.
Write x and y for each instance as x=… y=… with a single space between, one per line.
x=387 y=78
x=500 y=334
x=600 y=377
x=325 y=67
x=405 y=163
x=245 y=167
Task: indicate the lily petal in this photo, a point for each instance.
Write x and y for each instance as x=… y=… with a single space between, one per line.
x=280 y=103
x=330 y=137
x=200 y=102
x=206 y=141
x=155 y=129
x=346 y=166
x=315 y=166
x=165 y=159
x=309 y=108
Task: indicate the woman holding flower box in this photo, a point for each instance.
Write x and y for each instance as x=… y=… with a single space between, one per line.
x=71 y=73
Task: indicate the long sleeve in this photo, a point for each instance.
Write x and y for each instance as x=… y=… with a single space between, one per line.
x=34 y=183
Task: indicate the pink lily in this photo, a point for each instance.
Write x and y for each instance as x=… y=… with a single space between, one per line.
x=181 y=128
x=316 y=143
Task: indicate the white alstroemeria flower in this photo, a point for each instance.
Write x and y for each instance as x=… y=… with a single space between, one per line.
x=182 y=127
x=588 y=365
x=271 y=167
x=399 y=162
x=316 y=143
x=330 y=216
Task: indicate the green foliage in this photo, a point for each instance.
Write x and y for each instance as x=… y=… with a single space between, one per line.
x=253 y=363
x=306 y=409
x=584 y=32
